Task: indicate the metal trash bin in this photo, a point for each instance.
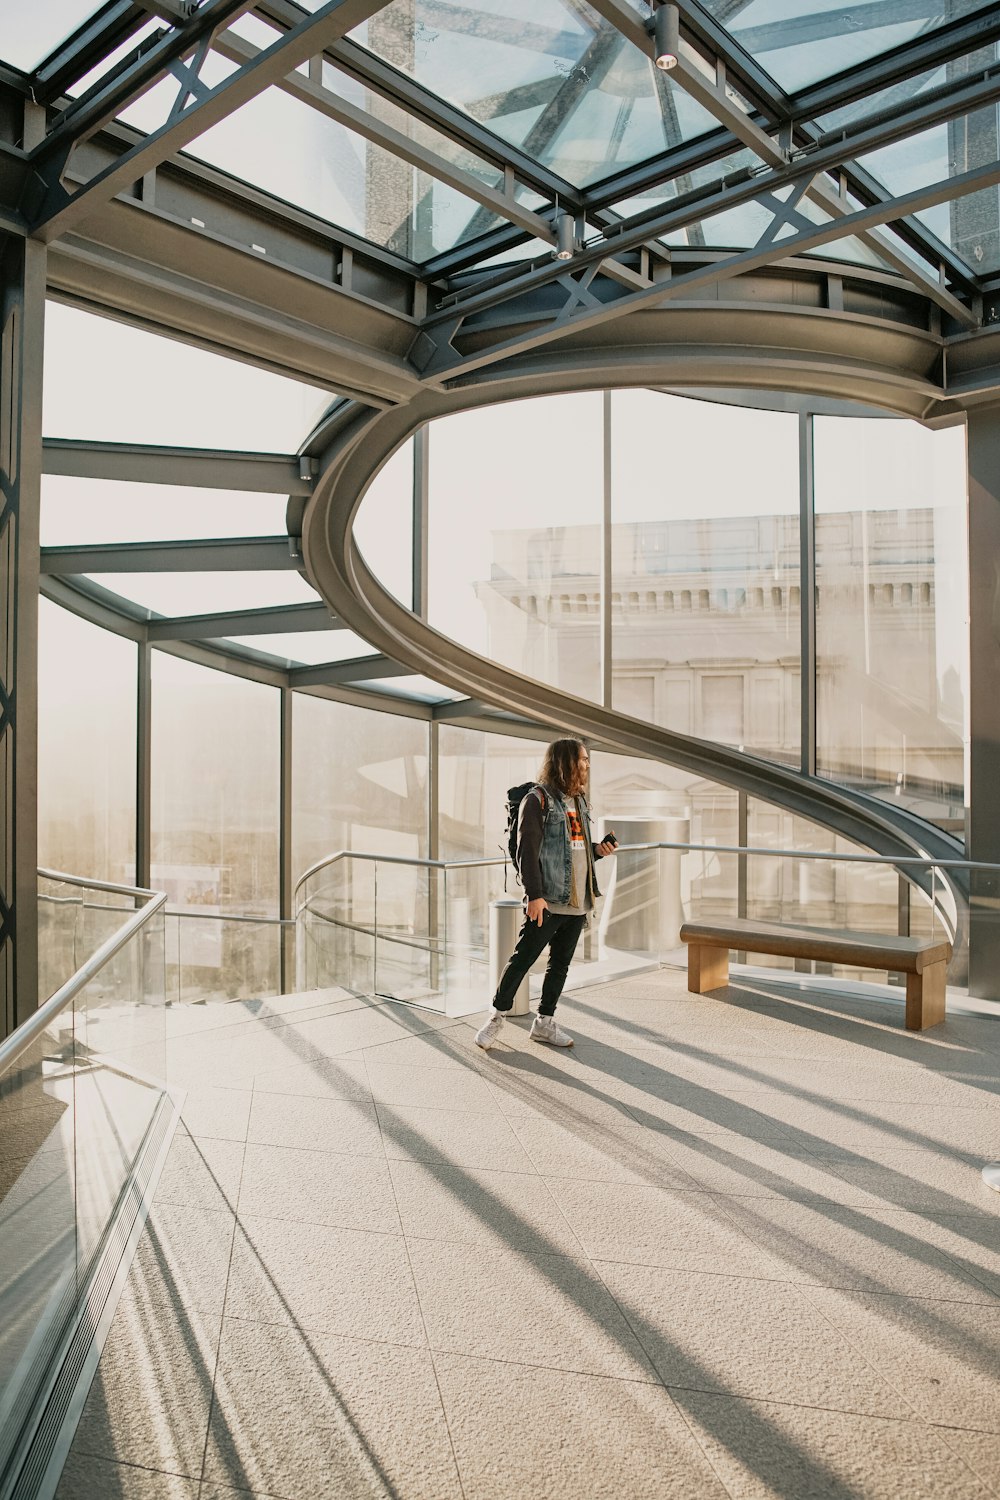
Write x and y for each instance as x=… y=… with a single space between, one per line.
x=506 y=916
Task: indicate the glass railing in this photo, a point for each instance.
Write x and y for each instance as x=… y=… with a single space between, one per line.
x=418 y=930
x=227 y=956
x=84 y=1117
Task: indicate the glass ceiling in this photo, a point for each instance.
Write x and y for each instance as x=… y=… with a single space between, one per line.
x=564 y=84
x=553 y=78
x=802 y=41
x=450 y=134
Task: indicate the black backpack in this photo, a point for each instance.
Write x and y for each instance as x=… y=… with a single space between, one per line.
x=515 y=796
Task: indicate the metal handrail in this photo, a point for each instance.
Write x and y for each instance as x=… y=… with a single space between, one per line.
x=20 y=1040
x=230 y=916
x=921 y=861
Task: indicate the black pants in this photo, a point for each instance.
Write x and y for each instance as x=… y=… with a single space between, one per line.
x=560 y=933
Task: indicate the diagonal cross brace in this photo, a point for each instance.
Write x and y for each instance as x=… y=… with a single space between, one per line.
x=63 y=209
x=618 y=303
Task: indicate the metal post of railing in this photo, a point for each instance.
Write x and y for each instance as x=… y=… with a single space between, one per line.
x=505 y=920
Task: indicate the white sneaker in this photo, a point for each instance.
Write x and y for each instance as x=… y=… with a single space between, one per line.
x=488 y=1036
x=544 y=1029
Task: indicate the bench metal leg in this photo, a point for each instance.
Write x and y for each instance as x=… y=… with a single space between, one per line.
x=708 y=968
x=925 y=997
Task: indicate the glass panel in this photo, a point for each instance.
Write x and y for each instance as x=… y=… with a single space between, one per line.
x=289 y=149
x=76 y=1110
x=77 y=511
x=414 y=686
x=335 y=934
x=892 y=611
x=970 y=224
x=359 y=782
x=86 y=748
x=383 y=526
x=31 y=32
x=110 y=382
x=210 y=958
x=705 y=553
x=311 y=648
x=215 y=813
x=647 y=895
x=205 y=593
x=800 y=41
x=516 y=574
x=560 y=82
x=475 y=770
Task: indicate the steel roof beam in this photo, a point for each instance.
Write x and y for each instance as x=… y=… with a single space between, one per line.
x=99 y=36
x=80 y=118
x=358 y=669
x=192 y=468
x=583 y=308
x=282 y=618
x=711 y=95
x=218 y=555
x=195 y=111
x=743 y=188
x=905 y=61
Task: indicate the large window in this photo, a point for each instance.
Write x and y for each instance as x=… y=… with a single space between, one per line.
x=215 y=789
x=705 y=581
x=86 y=748
x=892 y=611
x=515 y=536
x=360 y=782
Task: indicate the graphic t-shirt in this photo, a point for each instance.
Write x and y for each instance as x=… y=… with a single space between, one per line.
x=580 y=898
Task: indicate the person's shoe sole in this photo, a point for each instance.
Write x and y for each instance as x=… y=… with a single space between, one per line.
x=548 y=1041
x=490 y=1042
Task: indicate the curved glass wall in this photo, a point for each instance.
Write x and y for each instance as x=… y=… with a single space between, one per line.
x=638 y=548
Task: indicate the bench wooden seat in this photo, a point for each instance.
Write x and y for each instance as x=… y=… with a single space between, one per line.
x=924 y=961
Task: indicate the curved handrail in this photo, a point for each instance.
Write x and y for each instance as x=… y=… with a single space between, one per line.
x=351 y=446
x=900 y=862
x=21 y=1039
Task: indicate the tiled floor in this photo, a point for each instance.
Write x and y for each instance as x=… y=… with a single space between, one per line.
x=735 y=1245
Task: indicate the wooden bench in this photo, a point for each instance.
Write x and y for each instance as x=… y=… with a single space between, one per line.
x=924 y=961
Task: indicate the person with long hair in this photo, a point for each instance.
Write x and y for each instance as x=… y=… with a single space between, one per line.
x=555 y=860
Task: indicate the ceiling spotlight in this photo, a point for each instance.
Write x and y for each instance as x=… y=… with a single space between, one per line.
x=565 y=237
x=666 y=36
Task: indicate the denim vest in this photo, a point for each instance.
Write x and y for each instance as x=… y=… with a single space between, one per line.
x=556 y=854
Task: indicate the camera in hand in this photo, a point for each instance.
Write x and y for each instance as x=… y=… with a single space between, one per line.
x=610 y=838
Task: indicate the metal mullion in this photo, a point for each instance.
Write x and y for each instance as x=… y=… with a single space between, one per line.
x=742 y=67
x=366 y=125
x=144 y=765
x=807 y=595
x=212 y=468
x=225 y=554
x=421 y=521
x=286 y=882
x=281 y=617
x=87 y=47
x=81 y=117
x=364 y=67
x=917 y=56
x=367 y=68
x=607 y=563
